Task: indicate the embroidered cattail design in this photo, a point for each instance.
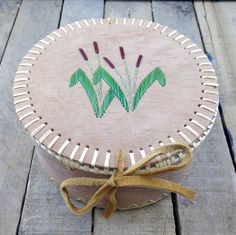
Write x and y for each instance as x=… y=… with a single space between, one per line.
x=94 y=88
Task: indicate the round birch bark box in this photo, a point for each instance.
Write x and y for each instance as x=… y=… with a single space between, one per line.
x=98 y=89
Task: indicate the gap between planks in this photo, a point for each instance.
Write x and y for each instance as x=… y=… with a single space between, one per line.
x=211 y=174
x=9 y=31
x=33 y=152
x=59 y=220
x=206 y=34
x=25 y=192
x=16 y=146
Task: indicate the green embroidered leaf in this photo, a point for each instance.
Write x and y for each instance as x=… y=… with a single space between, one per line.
x=156 y=74
x=99 y=74
x=106 y=101
x=80 y=76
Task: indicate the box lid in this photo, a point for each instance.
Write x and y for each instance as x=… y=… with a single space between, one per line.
x=94 y=87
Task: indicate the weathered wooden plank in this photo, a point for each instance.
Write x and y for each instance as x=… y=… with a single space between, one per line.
x=178 y=15
x=79 y=9
x=217 y=25
x=129 y=9
x=212 y=174
x=35 y=19
x=45 y=211
x=154 y=219
x=8 y=13
x=213 y=178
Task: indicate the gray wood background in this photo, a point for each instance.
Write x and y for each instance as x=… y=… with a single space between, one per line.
x=31 y=204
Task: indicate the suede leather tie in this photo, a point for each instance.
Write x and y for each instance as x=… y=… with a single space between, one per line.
x=131 y=177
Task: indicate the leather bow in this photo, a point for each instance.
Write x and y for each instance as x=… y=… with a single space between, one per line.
x=132 y=177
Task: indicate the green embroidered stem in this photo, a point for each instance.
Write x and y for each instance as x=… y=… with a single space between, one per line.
x=106 y=102
x=156 y=74
x=80 y=76
x=101 y=74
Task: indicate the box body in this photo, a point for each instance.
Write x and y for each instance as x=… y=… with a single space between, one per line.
x=127 y=197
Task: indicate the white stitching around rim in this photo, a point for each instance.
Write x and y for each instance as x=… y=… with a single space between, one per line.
x=108 y=154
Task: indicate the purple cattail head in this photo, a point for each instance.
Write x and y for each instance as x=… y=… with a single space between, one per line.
x=109 y=62
x=122 y=53
x=83 y=54
x=139 y=61
x=96 y=49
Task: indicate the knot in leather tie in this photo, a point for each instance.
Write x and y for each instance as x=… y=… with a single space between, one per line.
x=111 y=181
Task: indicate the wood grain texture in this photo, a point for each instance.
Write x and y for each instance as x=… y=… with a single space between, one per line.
x=217 y=25
x=212 y=177
x=45 y=211
x=178 y=15
x=74 y=10
x=212 y=174
x=129 y=9
x=35 y=19
x=8 y=13
x=154 y=219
